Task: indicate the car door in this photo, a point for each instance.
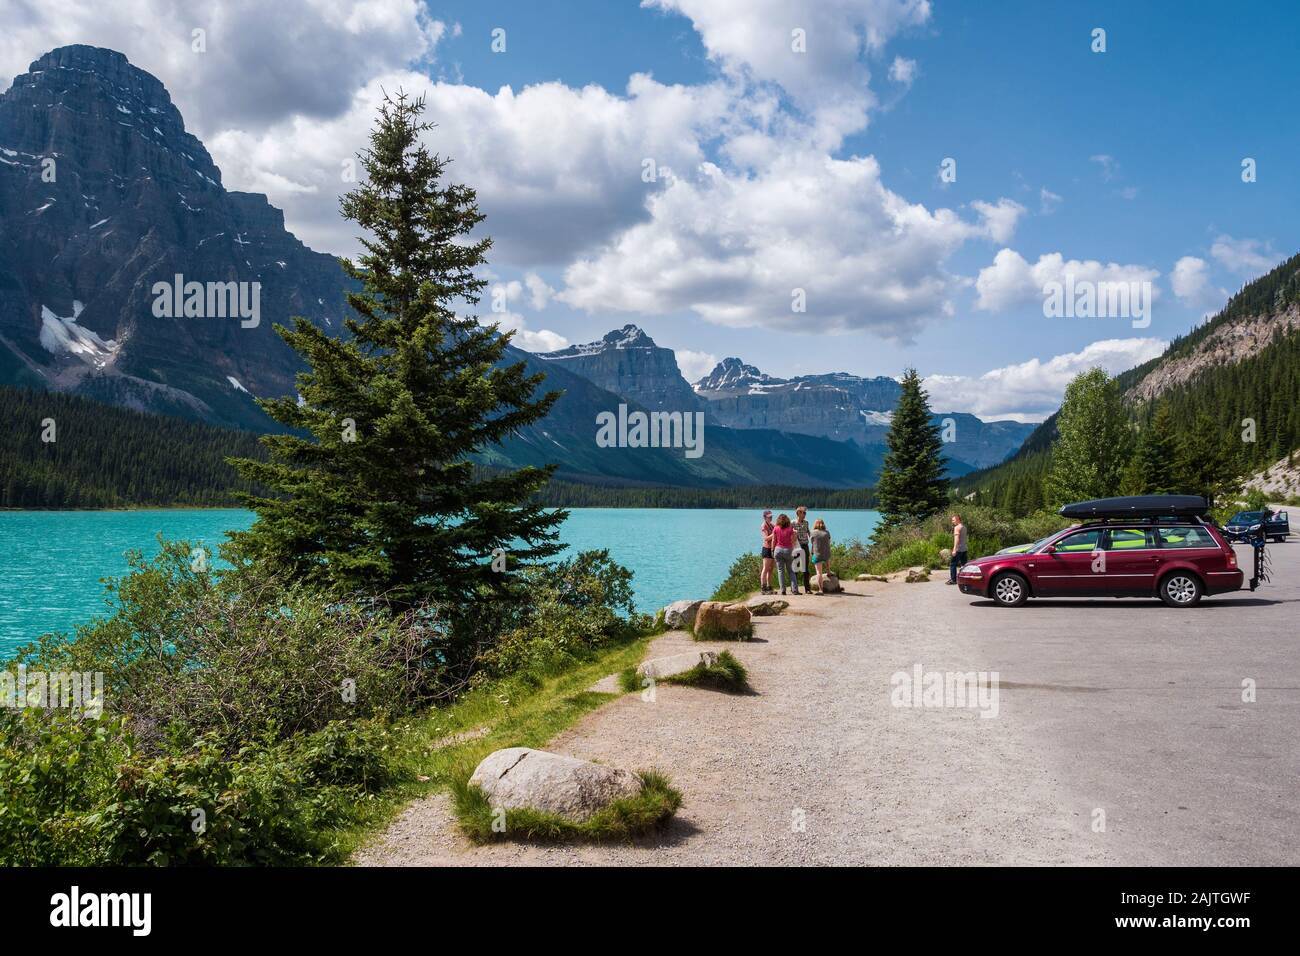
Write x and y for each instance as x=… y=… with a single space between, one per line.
x=1130 y=560
x=1066 y=567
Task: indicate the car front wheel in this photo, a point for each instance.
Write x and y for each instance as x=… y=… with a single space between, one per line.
x=1009 y=590
x=1180 y=589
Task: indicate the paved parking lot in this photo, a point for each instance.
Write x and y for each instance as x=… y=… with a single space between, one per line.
x=1126 y=711
x=1138 y=710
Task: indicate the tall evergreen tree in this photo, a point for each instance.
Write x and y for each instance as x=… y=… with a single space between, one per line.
x=1207 y=460
x=912 y=485
x=1088 y=458
x=381 y=497
x=1153 y=469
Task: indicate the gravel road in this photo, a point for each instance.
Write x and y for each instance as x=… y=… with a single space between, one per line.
x=1120 y=737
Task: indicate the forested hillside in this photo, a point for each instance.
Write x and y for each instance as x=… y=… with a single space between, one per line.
x=1241 y=369
x=101 y=456
x=564 y=494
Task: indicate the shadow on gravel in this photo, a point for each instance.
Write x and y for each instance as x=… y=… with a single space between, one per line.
x=1117 y=604
x=673 y=833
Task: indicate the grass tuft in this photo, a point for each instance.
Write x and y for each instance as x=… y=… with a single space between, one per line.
x=622 y=819
x=629 y=680
x=726 y=674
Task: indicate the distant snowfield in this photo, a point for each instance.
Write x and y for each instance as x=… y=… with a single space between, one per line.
x=62 y=335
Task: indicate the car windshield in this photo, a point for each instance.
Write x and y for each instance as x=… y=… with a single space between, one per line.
x=1245 y=517
x=1030 y=549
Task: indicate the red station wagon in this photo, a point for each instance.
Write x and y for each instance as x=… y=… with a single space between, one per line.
x=1148 y=546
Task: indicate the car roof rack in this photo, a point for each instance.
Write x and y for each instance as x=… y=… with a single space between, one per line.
x=1132 y=507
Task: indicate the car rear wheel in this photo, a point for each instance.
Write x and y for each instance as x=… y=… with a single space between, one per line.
x=1009 y=590
x=1180 y=589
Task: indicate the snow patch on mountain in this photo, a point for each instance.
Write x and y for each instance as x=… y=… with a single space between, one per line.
x=62 y=335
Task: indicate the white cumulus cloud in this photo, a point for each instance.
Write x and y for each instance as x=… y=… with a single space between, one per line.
x=1012 y=281
x=695 y=365
x=1246 y=257
x=1030 y=391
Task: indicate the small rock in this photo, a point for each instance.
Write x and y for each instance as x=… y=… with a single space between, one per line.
x=872 y=577
x=660 y=667
x=945 y=555
x=520 y=777
x=831 y=583
x=911 y=575
x=762 y=606
x=680 y=615
x=719 y=621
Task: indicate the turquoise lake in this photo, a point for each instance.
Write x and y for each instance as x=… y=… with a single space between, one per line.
x=52 y=562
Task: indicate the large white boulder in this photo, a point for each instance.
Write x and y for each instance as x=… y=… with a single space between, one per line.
x=519 y=777
x=660 y=667
x=680 y=615
x=830 y=583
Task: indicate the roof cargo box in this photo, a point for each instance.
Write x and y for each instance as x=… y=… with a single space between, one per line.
x=1139 y=506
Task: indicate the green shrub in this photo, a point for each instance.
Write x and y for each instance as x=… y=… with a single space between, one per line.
x=57 y=774
x=81 y=792
x=185 y=657
x=741 y=580
x=577 y=607
x=248 y=718
x=621 y=819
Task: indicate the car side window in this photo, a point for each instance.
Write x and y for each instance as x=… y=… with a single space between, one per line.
x=1191 y=537
x=1080 y=541
x=1128 y=539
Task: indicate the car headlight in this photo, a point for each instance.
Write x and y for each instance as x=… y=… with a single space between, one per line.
x=1254 y=527
x=972 y=569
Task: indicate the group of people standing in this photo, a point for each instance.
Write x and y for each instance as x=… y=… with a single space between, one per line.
x=793 y=549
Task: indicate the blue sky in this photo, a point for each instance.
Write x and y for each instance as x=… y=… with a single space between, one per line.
x=815 y=169
x=1013 y=92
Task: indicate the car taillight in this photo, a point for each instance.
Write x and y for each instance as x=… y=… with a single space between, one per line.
x=1232 y=557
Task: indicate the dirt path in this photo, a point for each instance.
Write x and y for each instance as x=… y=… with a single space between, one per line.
x=817 y=766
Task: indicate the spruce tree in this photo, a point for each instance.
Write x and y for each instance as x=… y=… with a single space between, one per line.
x=1153 y=469
x=1207 y=460
x=1093 y=445
x=375 y=491
x=912 y=486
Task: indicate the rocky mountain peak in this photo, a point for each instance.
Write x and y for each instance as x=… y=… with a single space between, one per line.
x=627 y=362
x=629 y=337
x=104 y=196
x=91 y=88
x=733 y=374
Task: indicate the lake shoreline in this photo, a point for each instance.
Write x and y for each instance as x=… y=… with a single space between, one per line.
x=53 y=561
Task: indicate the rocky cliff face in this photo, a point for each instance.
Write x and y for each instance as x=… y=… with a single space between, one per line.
x=836 y=406
x=628 y=362
x=104 y=194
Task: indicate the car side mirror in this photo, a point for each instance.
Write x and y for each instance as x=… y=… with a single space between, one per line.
x=1050 y=549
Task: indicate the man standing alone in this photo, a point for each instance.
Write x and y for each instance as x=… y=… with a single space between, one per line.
x=958 y=548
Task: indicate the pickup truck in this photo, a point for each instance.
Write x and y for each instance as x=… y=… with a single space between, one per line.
x=1246 y=524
